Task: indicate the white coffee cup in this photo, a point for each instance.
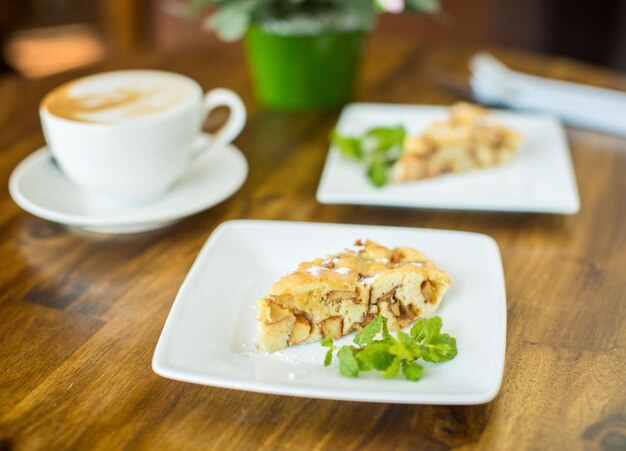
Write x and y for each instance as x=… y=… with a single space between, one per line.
x=132 y=134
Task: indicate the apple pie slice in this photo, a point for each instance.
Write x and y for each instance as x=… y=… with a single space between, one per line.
x=469 y=139
x=335 y=295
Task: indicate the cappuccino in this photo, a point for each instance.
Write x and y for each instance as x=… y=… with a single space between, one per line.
x=114 y=98
x=132 y=134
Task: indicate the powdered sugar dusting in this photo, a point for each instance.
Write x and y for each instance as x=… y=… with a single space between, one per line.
x=382 y=260
x=418 y=264
x=342 y=271
x=369 y=280
x=285 y=356
x=315 y=270
x=293 y=356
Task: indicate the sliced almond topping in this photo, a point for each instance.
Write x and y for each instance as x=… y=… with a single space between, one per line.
x=276 y=313
x=332 y=327
x=301 y=330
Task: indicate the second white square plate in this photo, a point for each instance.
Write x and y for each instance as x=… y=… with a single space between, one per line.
x=209 y=336
x=539 y=179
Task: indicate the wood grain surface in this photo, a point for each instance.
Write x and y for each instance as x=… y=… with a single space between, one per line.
x=80 y=313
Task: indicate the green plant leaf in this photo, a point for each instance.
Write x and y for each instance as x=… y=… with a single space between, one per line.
x=348 y=365
x=386 y=138
x=440 y=349
x=377 y=173
x=374 y=356
x=378 y=148
x=388 y=354
x=412 y=371
x=328 y=358
x=231 y=20
x=328 y=342
x=369 y=332
x=386 y=334
x=405 y=347
x=424 y=6
x=392 y=370
x=434 y=346
x=347 y=145
x=362 y=12
x=425 y=329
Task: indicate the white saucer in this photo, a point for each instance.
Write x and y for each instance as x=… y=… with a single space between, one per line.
x=39 y=187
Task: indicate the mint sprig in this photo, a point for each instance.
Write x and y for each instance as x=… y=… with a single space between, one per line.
x=378 y=149
x=328 y=359
x=389 y=354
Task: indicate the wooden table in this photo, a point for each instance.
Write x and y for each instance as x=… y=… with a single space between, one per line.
x=80 y=313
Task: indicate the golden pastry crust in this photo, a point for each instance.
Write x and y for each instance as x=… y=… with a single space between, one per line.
x=343 y=292
x=469 y=139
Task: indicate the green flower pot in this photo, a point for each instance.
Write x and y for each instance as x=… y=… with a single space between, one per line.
x=304 y=72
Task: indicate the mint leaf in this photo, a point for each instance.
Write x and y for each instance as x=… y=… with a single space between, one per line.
x=369 y=332
x=378 y=148
x=390 y=353
x=328 y=342
x=386 y=138
x=375 y=356
x=377 y=173
x=328 y=358
x=434 y=346
x=386 y=333
x=364 y=360
x=440 y=349
x=382 y=359
x=347 y=145
x=412 y=371
x=405 y=347
x=392 y=370
x=425 y=329
x=348 y=366
x=405 y=340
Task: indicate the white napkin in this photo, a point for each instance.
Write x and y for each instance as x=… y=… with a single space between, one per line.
x=578 y=105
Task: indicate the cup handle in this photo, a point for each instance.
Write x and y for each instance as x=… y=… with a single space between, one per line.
x=230 y=130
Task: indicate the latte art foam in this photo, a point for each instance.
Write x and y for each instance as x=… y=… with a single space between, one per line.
x=118 y=97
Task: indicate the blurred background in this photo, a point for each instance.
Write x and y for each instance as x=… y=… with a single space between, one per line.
x=44 y=37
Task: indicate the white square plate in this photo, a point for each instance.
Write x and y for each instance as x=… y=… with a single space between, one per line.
x=539 y=179
x=209 y=336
